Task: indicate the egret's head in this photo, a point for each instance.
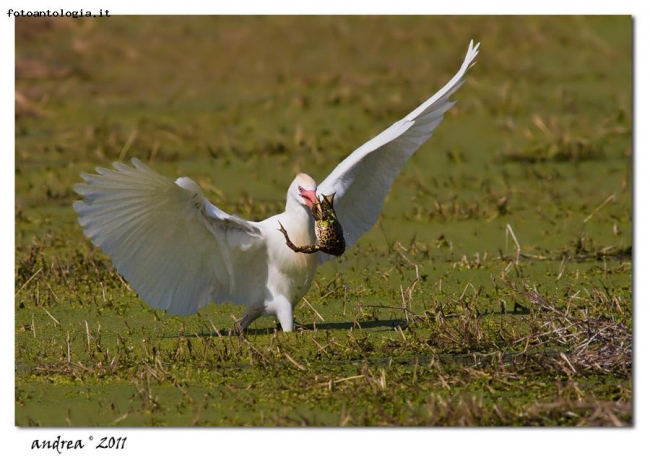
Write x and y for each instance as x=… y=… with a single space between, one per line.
x=303 y=190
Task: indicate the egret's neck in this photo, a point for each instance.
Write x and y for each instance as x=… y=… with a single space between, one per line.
x=294 y=206
x=299 y=213
x=297 y=219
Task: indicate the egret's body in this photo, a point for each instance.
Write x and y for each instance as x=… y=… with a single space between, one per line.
x=179 y=252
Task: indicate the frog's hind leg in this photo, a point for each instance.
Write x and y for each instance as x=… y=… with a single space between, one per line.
x=301 y=249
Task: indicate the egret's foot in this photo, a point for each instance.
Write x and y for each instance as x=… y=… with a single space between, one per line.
x=297 y=327
x=238 y=330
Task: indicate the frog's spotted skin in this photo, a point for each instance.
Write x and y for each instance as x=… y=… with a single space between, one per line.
x=329 y=231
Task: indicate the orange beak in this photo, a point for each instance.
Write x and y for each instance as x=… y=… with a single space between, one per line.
x=309 y=196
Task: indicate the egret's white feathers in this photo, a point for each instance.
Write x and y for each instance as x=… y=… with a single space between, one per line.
x=361 y=181
x=176 y=249
x=179 y=252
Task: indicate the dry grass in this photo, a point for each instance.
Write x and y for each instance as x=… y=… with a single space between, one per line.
x=434 y=319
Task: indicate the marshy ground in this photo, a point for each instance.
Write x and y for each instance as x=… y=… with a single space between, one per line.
x=496 y=288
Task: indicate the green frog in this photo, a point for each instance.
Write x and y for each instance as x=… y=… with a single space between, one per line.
x=329 y=231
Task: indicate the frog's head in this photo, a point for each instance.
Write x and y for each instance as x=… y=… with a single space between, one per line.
x=328 y=200
x=324 y=209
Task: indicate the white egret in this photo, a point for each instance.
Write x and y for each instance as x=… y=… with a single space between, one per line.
x=179 y=252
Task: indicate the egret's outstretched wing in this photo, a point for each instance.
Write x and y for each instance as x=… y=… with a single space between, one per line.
x=363 y=179
x=176 y=249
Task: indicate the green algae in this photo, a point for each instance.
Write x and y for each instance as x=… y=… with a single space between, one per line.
x=494 y=290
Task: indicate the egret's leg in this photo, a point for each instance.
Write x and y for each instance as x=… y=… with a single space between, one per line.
x=252 y=314
x=284 y=314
